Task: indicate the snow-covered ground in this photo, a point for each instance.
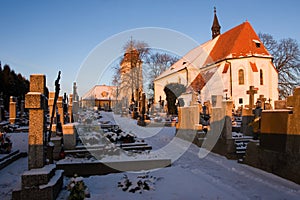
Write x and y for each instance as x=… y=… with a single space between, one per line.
x=189 y=177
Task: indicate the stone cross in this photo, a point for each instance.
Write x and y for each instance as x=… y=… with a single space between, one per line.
x=35 y=101
x=12 y=110
x=251 y=93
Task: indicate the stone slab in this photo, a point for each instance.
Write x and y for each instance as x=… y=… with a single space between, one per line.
x=274 y=121
x=38 y=176
x=102 y=168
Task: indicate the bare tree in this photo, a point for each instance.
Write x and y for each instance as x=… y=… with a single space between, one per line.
x=157 y=63
x=150 y=67
x=141 y=46
x=286 y=55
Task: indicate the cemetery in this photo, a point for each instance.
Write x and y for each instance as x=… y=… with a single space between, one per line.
x=211 y=127
x=99 y=142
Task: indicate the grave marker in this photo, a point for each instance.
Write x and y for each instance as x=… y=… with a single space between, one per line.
x=70 y=108
x=1 y=108
x=60 y=109
x=280 y=104
x=75 y=103
x=41 y=181
x=22 y=109
x=252 y=91
x=12 y=110
x=35 y=102
x=263 y=101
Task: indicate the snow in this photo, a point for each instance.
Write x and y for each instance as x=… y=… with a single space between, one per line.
x=189 y=177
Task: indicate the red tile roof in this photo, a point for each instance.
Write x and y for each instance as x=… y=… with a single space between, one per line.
x=237 y=42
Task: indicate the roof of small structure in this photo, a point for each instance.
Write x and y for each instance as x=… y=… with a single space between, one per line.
x=101 y=92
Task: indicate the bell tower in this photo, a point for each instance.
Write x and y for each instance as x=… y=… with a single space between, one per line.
x=216 y=28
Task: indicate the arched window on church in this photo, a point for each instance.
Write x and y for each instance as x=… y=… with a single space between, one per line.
x=261 y=76
x=241 y=77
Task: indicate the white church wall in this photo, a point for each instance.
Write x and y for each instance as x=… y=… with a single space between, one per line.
x=159 y=85
x=270 y=83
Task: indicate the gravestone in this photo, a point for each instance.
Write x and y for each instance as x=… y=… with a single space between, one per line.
x=216 y=101
x=2 y=117
x=188 y=117
x=12 y=110
x=22 y=106
x=70 y=108
x=75 y=103
x=221 y=122
x=65 y=108
x=280 y=104
x=263 y=101
x=51 y=109
x=41 y=181
x=70 y=135
x=141 y=121
x=35 y=102
x=60 y=109
x=252 y=91
x=247 y=115
x=279 y=148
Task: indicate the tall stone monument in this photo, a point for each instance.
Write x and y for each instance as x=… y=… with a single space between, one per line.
x=35 y=102
x=41 y=181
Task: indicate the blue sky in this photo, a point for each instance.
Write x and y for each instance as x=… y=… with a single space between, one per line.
x=46 y=36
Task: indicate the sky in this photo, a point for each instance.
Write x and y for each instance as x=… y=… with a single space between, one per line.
x=43 y=37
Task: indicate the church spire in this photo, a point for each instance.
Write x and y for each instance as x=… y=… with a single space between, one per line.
x=216 y=28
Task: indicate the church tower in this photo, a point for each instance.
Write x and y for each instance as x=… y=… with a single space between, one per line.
x=131 y=75
x=216 y=28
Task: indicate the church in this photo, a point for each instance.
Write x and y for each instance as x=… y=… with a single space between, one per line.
x=226 y=65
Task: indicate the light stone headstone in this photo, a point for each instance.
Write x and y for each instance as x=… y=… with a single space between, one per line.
x=12 y=110
x=216 y=101
x=280 y=104
x=35 y=102
x=188 y=117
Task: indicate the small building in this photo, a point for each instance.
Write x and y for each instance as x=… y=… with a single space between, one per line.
x=103 y=97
